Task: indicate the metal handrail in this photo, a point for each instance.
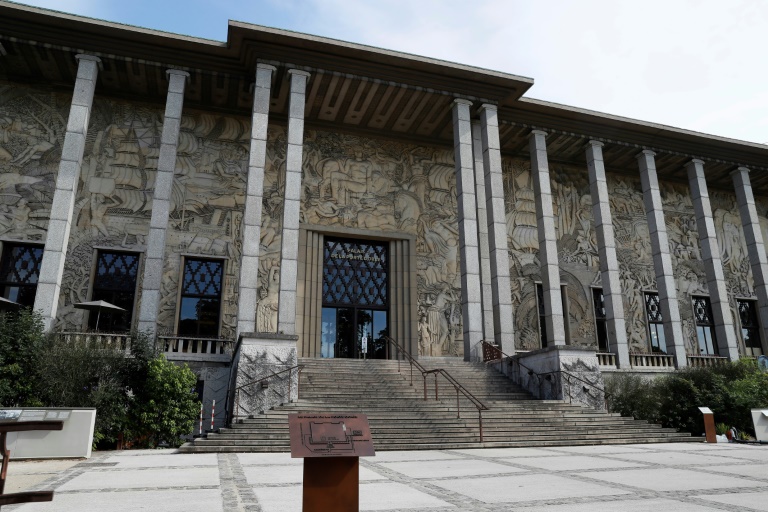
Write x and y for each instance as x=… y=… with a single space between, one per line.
x=407 y=355
x=480 y=406
x=298 y=368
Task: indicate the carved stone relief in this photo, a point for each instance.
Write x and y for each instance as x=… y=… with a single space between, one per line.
x=372 y=184
x=382 y=186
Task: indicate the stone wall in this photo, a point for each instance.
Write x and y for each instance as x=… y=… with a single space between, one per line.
x=349 y=181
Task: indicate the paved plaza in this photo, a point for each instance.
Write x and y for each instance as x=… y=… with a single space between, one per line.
x=685 y=477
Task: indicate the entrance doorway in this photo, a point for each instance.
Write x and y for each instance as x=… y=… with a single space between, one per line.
x=355 y=299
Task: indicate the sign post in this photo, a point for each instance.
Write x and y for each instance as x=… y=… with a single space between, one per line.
x=331 y=446
x=709 y=424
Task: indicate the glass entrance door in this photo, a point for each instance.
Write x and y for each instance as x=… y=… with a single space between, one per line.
x=354 y=333
x=355 y=299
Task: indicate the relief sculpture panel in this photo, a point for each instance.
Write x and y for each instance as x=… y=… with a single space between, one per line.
x=386 y=186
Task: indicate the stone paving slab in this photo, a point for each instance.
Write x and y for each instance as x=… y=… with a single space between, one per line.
x=293 y=475
x=448 y=468
x=520 y=488
x=506 y=452
x=752 y=500
x=414 y=455
x=694 y=478
x=143 y=478
x=599 y=449
x=31 y=473
x=195 y=500
x=267 y=459
x=373 y=496
x=677 y=458
x=636 y=505
x=669 y=479
x=164 y=460
x=573 y=462
x=758 y=471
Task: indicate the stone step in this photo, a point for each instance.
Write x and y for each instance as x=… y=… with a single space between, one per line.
x=400 y=418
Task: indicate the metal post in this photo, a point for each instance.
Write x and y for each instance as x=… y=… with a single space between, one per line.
x=458 y=407
x=480 y=415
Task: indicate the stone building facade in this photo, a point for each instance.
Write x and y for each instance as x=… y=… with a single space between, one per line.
x=292 y=185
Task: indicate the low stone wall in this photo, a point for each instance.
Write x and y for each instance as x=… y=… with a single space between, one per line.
x=263 y=355
x=560 y=373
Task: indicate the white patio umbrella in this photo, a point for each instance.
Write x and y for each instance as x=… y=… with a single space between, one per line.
x=8 y=305
x=97 y=305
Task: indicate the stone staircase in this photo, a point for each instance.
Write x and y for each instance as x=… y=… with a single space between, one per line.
x=401 y=419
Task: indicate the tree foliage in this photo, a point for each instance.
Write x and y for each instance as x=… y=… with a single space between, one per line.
x=731 y=390
x=21 y=339
x=138 y=395
x=167 y=405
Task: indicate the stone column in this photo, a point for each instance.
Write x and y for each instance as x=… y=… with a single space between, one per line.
x=713 y=264
x=609 y=263
x=249 y=263
x=62 y=209
x=152 y=278
x=289 y=247
x=501 y=293
x=482 y=233
x=753 y=235
x=662 y=261
x=550 y=267
x=471 y=297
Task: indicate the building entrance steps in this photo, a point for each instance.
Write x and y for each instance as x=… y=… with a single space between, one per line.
x=401 y=419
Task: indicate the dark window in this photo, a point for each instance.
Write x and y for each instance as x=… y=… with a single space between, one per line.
x=750 y=328
x=114 y=282
x=655 y=322
x=355 y=299
x=201 y=298
x=705 y=326
x=601 y=324
x=19 y=270
x=355 y=273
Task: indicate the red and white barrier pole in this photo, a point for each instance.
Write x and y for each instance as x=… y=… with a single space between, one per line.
x=213 y=408
x=201 y=419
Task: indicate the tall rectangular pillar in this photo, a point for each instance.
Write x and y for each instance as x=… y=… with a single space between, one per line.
x=249 y=263
x=713 y=264
x=501 y=293
x=662 y=261
x=606 y=248
x=289 y=247
x=758 y=261
x=482 y=233
x=152 y=278
x=471 y=297
x=554 y=319
x=62 y=209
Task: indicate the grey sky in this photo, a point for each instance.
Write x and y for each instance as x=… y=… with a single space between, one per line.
x=694 y=64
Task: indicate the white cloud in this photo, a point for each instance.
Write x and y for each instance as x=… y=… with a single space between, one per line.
x=695 y=64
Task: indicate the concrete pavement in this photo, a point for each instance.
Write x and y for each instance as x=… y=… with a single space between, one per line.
x=686 y=477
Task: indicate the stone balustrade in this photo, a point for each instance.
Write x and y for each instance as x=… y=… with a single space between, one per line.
x=606 y=359
x=183 y=348
x=652 y=361
x=706 y=361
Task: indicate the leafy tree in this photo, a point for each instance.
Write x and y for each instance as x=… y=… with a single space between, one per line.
x=731 y=390
x=21 y=338
x=167 y=405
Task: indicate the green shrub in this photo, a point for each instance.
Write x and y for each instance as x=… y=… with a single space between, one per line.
x=167 y=404
x=730 y=390
x=21 y=338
